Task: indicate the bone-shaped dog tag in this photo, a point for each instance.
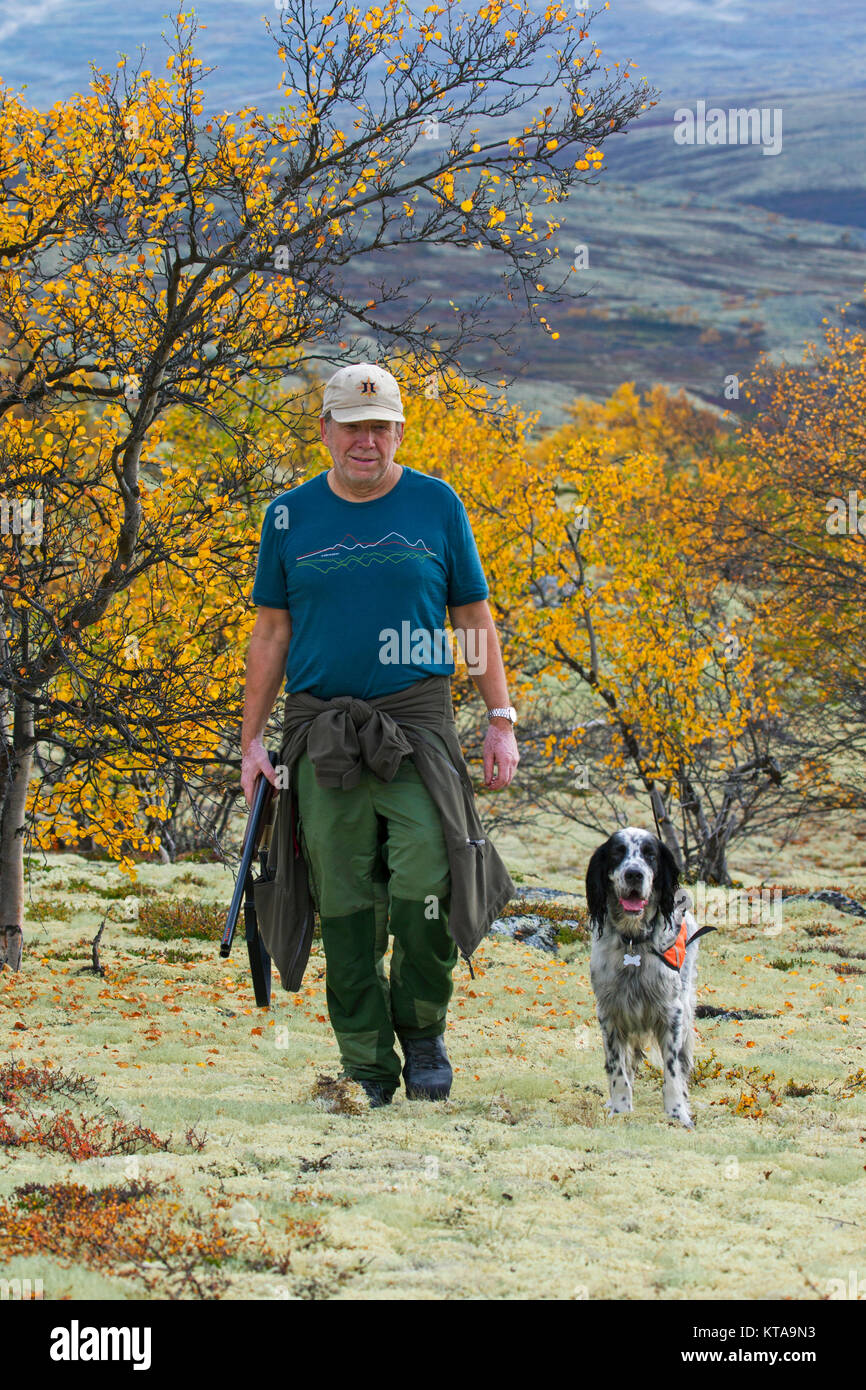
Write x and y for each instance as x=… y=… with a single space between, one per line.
x=630 y=960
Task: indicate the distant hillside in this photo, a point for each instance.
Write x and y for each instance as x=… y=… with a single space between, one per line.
x=699 y=258
x=817 y=176
x=684 y=47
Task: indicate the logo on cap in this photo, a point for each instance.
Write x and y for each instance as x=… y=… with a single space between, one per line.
x=367 y=388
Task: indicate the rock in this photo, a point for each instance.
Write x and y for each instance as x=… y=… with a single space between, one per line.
x=840 y=901
x=545 y=893
x=530 y=930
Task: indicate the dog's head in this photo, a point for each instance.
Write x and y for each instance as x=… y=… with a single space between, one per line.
x=629 y=877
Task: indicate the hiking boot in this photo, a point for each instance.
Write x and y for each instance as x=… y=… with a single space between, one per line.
x=378 y=1092
x=427 y=1071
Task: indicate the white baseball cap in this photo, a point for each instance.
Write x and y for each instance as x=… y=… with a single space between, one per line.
x=362 y=391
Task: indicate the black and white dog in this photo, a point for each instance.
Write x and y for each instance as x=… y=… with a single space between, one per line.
x=643 y=965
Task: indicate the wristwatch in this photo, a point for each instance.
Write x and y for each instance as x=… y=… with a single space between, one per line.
x=509 y=713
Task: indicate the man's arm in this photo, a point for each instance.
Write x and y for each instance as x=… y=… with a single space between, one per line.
x=266 y=668
x=500 y=745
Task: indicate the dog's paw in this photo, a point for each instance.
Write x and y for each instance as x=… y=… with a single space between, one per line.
x=681 y=1115
x=618 y=1107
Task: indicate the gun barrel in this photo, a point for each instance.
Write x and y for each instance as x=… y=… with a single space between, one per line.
x=261 y=797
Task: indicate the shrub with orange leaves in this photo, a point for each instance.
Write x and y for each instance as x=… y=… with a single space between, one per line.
x=627 y=658
x=137 y=1231
x=78 y=1136
x=794 y=527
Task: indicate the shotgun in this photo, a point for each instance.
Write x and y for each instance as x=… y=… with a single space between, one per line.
x=255 y=843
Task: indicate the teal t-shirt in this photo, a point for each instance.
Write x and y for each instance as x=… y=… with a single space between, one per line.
x=367 y=583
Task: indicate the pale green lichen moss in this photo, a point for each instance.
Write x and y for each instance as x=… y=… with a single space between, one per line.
x=520 y=1185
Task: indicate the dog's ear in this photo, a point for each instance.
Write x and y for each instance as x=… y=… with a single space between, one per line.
x=667 y=880
x=597 y=884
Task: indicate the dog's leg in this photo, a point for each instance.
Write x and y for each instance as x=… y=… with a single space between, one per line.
x=619 y=1067
x=676 y=1055
x=686 y=1060
x=689 y=979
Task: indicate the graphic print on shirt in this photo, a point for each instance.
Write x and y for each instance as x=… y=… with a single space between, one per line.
x=348 y=553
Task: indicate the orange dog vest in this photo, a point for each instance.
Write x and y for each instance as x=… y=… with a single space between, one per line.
x=676 y=954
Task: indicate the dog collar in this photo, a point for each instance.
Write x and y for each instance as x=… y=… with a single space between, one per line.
x=627 y=941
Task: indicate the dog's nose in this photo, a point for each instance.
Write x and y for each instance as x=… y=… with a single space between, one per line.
x=633 y=877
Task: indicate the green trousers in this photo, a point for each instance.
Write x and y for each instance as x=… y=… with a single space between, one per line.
x=378 y=865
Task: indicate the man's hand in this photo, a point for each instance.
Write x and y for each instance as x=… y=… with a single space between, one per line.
x=266 y=662
x=500 y=745
x=500 y=748
x=254 y=761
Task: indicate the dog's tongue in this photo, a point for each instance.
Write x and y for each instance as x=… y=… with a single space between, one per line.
x=632 y=904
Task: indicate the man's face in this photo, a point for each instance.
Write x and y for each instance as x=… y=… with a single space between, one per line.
x=362 y=451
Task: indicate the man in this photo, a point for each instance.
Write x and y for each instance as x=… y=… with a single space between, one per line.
x=355 y=570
